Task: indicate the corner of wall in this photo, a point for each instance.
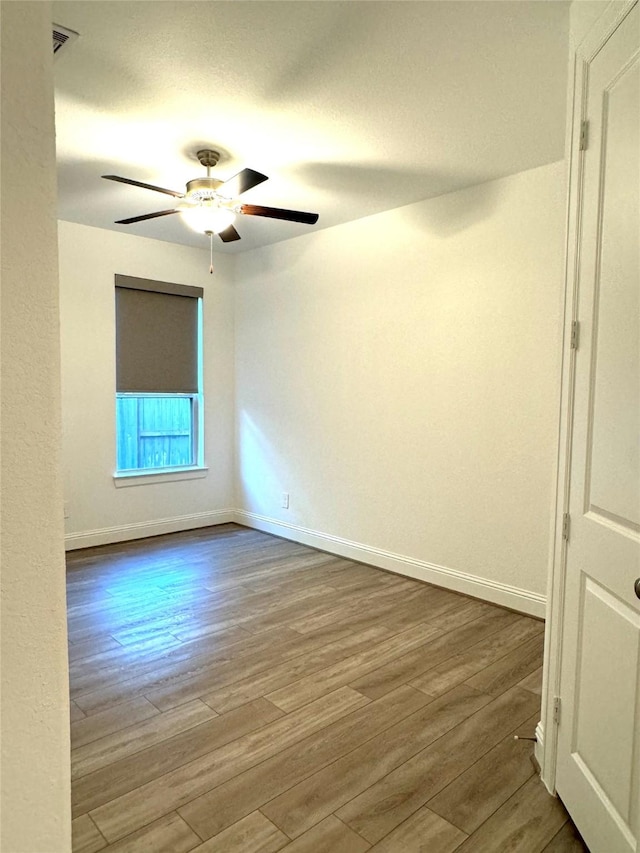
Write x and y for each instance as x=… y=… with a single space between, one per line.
x=36 y=790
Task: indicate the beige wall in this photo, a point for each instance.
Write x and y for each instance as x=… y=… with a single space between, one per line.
x=35 y=710
x=398 y=377
x=98 y=511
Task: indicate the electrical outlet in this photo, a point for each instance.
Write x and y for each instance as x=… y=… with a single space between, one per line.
x=285 y=500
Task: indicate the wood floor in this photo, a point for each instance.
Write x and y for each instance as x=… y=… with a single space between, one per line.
x=232 y=691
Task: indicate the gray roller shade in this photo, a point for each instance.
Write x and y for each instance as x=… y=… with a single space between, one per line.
x=156 y=336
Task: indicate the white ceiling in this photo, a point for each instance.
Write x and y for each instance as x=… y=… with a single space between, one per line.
x=351 y=107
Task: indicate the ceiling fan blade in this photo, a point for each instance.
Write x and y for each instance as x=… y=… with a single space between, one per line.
x=279 y=213
x=144 y=186
x=145 y=216
x=229 y=234
x=240 y=183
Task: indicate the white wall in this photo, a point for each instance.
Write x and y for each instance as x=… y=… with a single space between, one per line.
x=35 y=707
x=398 y=377
x=98 y=511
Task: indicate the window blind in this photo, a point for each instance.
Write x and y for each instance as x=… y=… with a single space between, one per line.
x=156 y=336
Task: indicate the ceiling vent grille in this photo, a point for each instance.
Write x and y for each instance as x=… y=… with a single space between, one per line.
x=61 y=37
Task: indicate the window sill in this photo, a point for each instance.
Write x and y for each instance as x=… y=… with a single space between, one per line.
x=166 y=475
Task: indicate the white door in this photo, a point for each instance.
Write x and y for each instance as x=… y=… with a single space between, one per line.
x=598 y=770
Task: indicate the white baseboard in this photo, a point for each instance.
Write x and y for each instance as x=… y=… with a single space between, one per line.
x=522 y=600
x=142 y=529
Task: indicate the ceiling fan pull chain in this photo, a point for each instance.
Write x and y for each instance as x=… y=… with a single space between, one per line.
x=210 y=233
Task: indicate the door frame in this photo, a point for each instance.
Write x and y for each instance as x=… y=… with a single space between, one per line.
x=580 y=58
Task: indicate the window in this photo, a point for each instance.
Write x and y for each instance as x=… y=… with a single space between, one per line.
x=158 y=376
x=156 y=431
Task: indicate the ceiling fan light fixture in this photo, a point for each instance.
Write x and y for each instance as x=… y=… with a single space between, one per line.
x=207 y=216
x=208 y=205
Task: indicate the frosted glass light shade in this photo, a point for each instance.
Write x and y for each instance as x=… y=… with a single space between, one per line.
x=207 y=216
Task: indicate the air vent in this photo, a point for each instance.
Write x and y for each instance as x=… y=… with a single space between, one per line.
x=61 y=37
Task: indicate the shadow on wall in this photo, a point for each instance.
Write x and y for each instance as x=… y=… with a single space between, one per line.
x=454 y=212
x=442 y=215
x=391 y=185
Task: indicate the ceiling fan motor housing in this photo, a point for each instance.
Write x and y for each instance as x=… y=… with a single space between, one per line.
x=200 y=189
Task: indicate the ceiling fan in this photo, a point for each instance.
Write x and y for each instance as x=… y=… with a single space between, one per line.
x=209 y=205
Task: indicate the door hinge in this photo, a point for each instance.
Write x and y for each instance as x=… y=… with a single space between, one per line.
x=566 y=525
x=556 y=710
x=584 y=135
x=575 y=334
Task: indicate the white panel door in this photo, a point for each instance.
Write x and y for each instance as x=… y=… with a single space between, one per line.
x=598 y=770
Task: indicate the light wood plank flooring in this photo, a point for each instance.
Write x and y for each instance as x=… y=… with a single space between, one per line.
x=231 y=691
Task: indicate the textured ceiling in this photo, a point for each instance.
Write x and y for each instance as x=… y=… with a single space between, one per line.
x=350 y=107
